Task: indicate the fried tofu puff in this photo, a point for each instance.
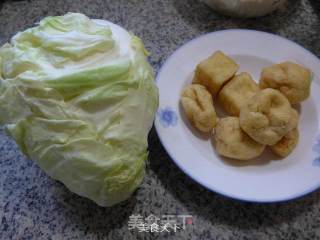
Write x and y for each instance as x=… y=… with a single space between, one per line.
x=231 y=141
x=287 y=144
x=236 y=92
x=291 y=79
x=198 y=105
x=215 y=71
x=268 y=116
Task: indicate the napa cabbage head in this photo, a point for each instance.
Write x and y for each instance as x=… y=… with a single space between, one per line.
x=78 y=96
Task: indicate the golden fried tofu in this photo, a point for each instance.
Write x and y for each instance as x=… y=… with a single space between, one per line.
x=215 y=71
x=232 y=142
x=287 y=144
x=268 y=116
x=236 y=92
x=291 y=79
x=198 y=105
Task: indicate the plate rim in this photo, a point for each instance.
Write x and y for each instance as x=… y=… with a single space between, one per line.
x=195 y=178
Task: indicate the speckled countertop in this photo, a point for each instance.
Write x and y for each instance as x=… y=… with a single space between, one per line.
x=33 y=206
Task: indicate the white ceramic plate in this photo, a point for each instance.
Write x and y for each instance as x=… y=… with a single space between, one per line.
x=267 y=178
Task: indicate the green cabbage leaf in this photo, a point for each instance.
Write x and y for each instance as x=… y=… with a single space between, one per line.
x=79 y=98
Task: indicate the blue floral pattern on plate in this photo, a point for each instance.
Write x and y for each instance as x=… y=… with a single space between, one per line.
x=316 y=148
x=167 y=117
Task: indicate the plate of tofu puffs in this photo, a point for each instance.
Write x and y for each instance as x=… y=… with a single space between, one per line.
x=239 y=113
